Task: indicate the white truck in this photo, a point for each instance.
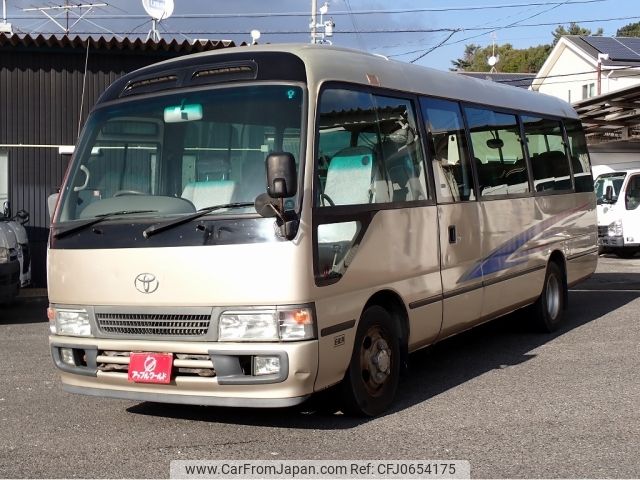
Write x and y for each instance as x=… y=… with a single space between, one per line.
x=618 y=194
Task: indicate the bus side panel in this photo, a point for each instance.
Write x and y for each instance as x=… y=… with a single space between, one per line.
x=461 y=250
x=521 y=234
x=582 y=256
x=513 y=260
x=399 y=252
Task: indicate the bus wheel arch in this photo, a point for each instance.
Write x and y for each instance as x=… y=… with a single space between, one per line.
x=391 y=301
x=371 y=379
x=548 y=310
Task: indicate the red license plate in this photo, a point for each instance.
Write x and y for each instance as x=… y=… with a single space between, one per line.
x=150 y=367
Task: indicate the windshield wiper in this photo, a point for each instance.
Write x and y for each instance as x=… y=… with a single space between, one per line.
x=97 y=219
x=160 y=227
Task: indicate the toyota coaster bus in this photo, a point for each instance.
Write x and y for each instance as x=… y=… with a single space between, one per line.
x=251 y=226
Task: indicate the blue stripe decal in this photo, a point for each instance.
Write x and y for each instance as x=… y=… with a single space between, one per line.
x=509 y=255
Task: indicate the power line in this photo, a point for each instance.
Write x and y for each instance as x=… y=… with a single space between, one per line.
x=347 y=12
x=385 y=31
x=511 y=25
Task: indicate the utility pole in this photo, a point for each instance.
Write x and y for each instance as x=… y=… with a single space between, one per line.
x=325 y=27
x=314 y=22
x=4 y=26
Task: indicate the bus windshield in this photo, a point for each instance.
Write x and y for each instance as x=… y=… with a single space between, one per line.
x=613 y=180
x=182 y=152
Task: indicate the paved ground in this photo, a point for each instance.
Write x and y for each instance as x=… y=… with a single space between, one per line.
x=513 y=403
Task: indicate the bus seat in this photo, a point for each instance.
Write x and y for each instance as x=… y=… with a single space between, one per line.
x=350 y=177
x=207 y=194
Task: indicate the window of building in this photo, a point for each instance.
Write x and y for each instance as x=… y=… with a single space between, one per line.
x=497 y=151
x=588 y=90
x=447 y=143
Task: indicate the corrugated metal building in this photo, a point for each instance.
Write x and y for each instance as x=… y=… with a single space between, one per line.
x=44 y=100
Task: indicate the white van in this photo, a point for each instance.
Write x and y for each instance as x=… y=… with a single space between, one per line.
x=618 y=195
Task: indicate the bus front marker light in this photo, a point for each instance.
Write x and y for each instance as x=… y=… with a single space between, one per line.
x=51 y=315
x=296 y=324
x=266 y=365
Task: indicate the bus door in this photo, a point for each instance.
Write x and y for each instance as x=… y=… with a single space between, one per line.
x=458 y=215
x=509 y=219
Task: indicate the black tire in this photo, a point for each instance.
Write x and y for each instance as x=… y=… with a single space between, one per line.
x=626 y=252
x=548 y=311
x=371 y=380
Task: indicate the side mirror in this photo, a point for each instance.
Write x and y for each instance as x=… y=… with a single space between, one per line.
x=22 y=216
x=52 y=200
x=264 y=207
x=608 y=194
x=282 y=180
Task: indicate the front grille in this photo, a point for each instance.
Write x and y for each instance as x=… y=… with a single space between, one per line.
x=184 y=364
x=603 y=230
x=174 y=325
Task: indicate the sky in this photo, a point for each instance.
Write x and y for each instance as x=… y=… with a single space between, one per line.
x=427 y=32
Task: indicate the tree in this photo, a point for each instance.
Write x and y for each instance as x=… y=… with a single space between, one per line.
x=512 y=60
x=526 y=60
x=464 y=63
x=630 y=30
x=574 y=29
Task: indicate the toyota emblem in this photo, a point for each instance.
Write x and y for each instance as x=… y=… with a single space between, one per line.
x=146 y=283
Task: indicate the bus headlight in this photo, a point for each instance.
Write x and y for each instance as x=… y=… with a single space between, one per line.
x=71 y=322
x=282 y=324
x=247 y=326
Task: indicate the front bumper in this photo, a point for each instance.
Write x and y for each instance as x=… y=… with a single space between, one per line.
x=606 y=241
x=205 y=373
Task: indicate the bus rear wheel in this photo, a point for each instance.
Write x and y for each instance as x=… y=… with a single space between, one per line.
x=371 y=380
x=548 y=311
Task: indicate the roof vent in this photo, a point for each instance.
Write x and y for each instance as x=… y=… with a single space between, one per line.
x=150 y=84
x=226 y=72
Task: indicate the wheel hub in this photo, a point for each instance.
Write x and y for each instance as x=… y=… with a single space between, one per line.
x=380 y=361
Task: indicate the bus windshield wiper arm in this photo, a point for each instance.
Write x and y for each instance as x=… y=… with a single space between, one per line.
x=95 y=220
x=160 y=227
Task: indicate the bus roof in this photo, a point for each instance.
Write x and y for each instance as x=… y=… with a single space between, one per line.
x=329 y=63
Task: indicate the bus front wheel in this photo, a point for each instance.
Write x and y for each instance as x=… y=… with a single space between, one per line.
x=371 y=380
x=548 y=311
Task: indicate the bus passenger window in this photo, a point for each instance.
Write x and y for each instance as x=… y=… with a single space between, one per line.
x=547 y=153
x=497 y=151
x=580 y=163
x=368 y=150
x=452 y=170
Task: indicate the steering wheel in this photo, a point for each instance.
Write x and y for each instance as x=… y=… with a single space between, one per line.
x=121 y=193
x=328 y=199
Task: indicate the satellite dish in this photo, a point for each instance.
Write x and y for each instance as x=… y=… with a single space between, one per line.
x=492 y=60
x=158 y=9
